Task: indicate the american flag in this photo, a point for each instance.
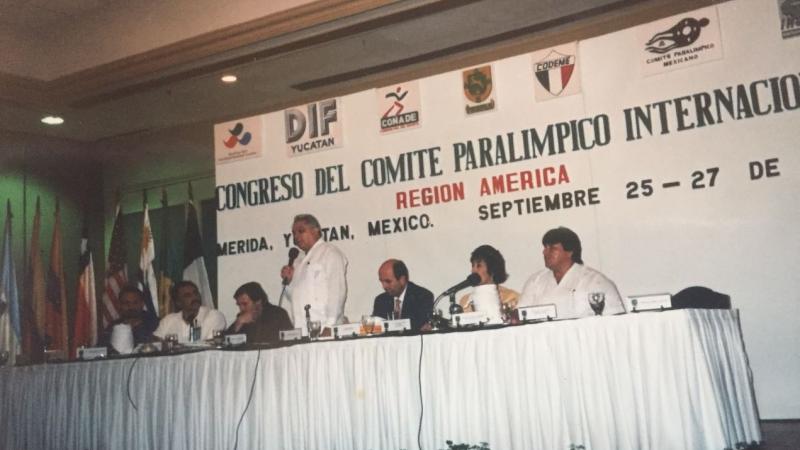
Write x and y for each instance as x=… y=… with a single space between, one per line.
x=117 y=271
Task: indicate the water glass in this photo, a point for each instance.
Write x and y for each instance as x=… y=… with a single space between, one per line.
x=314 y=328
x=195 y=333
x=219 y=338
x=170 y=342
x=367 y=324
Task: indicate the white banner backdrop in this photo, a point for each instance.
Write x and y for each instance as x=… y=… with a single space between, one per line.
x=682 y=177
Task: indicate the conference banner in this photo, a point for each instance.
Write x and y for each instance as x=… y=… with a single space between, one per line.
x=672 y=175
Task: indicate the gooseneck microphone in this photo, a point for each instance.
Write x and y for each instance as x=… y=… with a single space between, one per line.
x=472 y=280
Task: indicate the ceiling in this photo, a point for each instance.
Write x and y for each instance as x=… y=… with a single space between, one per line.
x=115 y=67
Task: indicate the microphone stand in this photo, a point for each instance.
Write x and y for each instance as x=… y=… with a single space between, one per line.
x=454 y=308
x=437 y=314
x=308 y=319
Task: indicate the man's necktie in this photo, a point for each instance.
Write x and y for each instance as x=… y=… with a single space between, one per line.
x=396 y=308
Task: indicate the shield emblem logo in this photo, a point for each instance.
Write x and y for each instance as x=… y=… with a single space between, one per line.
x=477 y=83
x=554 y=71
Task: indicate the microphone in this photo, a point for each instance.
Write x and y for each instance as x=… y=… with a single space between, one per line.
x=308 y=312
x=293 y=252
x=472 y=280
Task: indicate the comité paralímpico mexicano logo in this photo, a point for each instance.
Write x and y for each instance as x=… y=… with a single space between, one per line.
x=682 y=34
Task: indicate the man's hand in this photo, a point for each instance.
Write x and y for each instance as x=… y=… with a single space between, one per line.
x=326 y=332
x=243 y=319
x=287 y=272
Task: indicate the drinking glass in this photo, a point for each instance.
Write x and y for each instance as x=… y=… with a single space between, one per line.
x=597 y=300
x=171 y=341
x=314 y=328
x=367 y=323
x=195 y=333
x=219 y=338
x=436 y=320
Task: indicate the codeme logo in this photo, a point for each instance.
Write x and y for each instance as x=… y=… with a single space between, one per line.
x=554 y=71
x=237 y=137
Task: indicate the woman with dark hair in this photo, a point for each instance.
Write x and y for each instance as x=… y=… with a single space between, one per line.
x=489 y=296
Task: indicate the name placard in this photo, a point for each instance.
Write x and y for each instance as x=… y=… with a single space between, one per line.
x=346 y=330
x=397 y=325
x=467 y=319
x=539 y=312
x=235 y=339
x=649 y=302
x=291 y=335
x=89 y=353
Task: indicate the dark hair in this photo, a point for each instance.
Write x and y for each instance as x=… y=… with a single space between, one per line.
x=132 y=289
x=567 y=238
x=173 y=291
x=494 y=261
x=399 y=268
x=308 y=219
x=253 y=290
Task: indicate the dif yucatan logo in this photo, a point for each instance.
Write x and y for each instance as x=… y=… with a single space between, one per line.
x=237 y=136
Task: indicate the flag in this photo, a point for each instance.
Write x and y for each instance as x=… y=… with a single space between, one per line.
x=34 y=298
x=116 y=271
x=10 y=332
x=194 y=266
x=170 y=266
x=84 y=333
x=147 y=276
x=56 y=331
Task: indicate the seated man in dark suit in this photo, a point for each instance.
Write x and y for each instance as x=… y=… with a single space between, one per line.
x=402 y=299
x=259 y=319
x=131 y=311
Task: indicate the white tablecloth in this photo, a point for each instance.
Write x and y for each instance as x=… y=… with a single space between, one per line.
x=672 y=380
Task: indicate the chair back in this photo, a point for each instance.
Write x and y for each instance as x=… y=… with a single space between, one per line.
x=700 y=297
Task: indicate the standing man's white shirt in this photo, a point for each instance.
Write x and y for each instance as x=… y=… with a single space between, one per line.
x=319 y=280
x=571 y=295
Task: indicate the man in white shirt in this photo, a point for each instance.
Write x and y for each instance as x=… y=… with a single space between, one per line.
x=566 y=282
x=318 y=277
x=187 y=299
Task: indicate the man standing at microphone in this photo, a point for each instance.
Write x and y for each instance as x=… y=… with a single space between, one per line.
x=317 y=278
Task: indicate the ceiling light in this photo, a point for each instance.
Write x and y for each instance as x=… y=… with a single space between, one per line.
x=52 y=120
x=229 y=78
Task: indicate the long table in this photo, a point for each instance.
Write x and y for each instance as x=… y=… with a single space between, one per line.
x=670 y=380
